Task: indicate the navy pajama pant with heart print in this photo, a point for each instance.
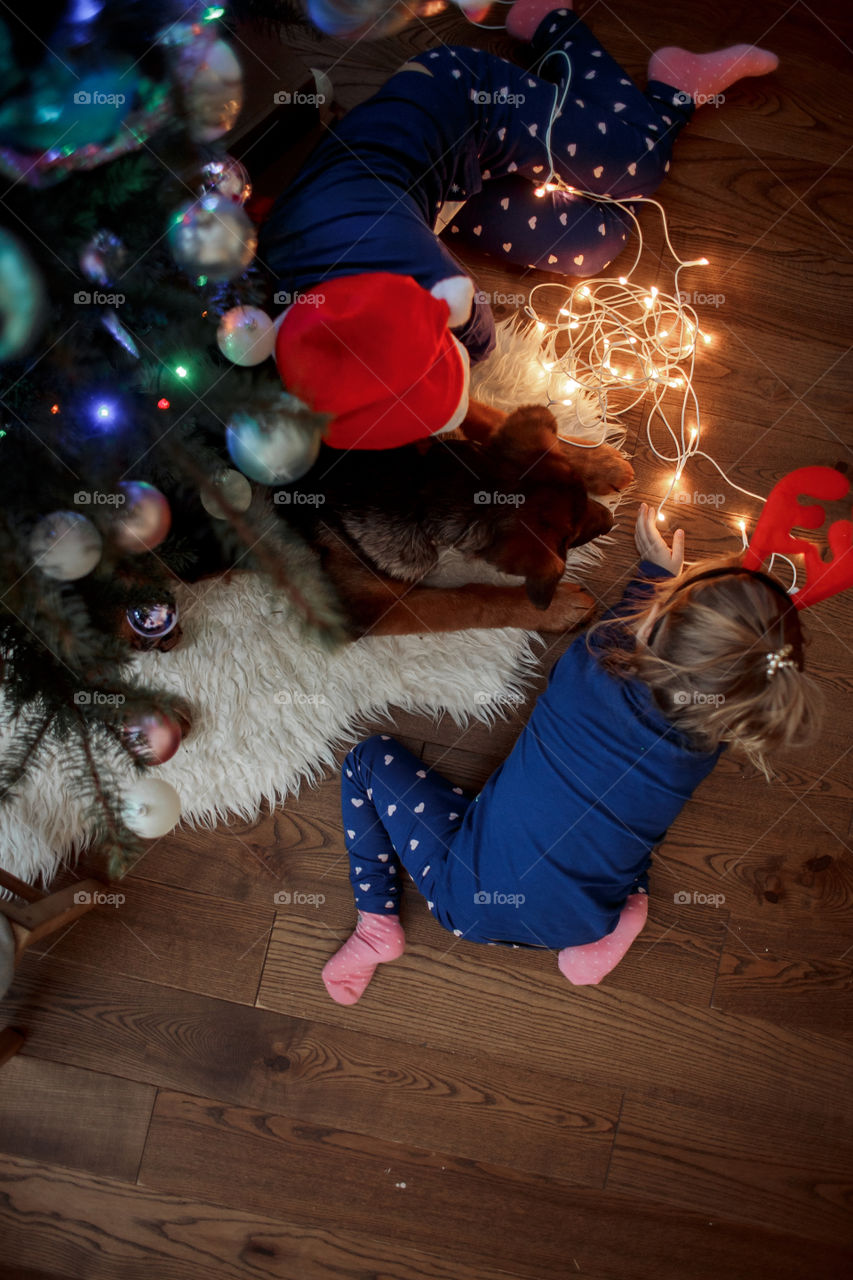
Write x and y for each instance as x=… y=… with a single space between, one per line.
x=610 y=139
x=396 y=811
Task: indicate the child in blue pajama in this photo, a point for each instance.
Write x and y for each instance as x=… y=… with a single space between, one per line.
x=460 y=124
x=555 y=850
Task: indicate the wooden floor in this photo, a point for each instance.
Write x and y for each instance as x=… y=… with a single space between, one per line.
x=190 y=1104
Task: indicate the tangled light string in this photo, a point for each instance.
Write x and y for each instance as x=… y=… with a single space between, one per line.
x=621 y=341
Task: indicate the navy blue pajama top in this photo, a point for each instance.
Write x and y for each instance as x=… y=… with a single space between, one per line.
x=571 y=817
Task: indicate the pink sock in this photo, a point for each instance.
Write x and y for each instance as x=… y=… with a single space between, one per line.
x=703 y=75
x=376 y=940
x=525 y=16
x=586 y=966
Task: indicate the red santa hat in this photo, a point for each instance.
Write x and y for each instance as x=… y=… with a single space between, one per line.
x=376 y=353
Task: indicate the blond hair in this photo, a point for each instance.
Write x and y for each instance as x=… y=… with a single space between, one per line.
x=708 y=645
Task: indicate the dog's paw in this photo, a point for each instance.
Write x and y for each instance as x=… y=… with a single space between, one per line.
x=609 y=473
x=570 y=606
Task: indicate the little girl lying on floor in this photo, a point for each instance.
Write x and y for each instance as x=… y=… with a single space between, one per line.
x=555 y=850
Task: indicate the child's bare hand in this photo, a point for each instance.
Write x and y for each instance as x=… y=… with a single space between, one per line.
x=651 y=544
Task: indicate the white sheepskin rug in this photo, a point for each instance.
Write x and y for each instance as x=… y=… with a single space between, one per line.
x=270 y=707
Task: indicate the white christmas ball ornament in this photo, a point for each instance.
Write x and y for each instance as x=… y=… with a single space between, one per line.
x=151 y=807
x=213 y=90
x=276 y=447
x=246 y=335
x=235 y=490
x=65 y=545
x=212 y=237
x=227 y=177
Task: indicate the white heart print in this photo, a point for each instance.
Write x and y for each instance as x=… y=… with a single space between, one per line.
x=358 y=803
x=598 y=170
x=419 y=808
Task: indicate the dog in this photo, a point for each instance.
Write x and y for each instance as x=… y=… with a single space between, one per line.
x=504 y=489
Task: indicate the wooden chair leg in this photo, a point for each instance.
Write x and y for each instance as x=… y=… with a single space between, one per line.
x=36 y=920
x=10 y=1042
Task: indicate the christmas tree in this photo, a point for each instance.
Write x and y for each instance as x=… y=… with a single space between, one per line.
x=143 y=426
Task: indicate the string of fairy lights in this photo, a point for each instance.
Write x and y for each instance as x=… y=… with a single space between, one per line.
x=615 y=342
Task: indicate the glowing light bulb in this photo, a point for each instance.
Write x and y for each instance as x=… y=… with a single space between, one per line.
x=567 y=402
x=664 y=333
x=540 y=192
x=54 y=408
x=703 y=262
x=706 y=338
x=548 y=365
x=181 y=370
x=163 y=403
x=661 y=517
x=564 y=312
x=540 y=326
x=623 y=279
x=654 y=291
x=571 y=385
x=574 y=325
x=585 y=291
x=648 y=303
x=694 y=431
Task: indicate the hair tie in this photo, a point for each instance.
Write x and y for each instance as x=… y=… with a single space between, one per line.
x=781 y=658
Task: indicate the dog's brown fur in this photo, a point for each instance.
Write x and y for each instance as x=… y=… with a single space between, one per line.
x=380 y=520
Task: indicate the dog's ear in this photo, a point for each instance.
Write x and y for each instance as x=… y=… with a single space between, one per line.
x=482 y=422
x=529 y=432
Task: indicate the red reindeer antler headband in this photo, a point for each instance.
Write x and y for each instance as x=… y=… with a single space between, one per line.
x=783 y=512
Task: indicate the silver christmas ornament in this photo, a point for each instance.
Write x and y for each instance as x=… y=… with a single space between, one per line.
x=65 y=545
x=212 y=237
x=278 y=446
x=235 y=490
x=151 y=807
x=226 y=177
